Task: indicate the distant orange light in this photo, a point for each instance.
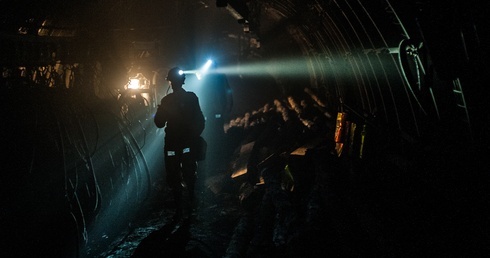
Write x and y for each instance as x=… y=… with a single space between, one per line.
x=134 y=84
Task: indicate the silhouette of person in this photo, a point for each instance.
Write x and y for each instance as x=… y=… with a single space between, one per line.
x=181 y=115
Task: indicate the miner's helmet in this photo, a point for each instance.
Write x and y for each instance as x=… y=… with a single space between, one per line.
x=176 y=75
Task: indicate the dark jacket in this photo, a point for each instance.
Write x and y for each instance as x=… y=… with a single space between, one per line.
x=181 y=115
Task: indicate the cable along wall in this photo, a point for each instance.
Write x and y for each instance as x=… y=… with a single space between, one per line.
x=353 y=53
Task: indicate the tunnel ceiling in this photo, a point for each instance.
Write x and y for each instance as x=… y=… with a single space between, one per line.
x=396 y=59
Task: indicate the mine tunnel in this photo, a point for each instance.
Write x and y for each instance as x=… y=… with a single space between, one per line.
x=342 y=128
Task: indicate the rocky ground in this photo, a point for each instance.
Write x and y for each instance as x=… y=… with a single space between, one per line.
x=283 y=215
x=301 y=197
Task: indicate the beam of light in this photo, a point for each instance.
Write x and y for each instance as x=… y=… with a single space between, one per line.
x=292 y=67
x=206 y=66
x=126 y=193
x=200 y=73
x=339 y=66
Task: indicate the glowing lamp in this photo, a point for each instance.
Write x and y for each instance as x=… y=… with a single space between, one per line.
x=134 y=84
x=138 y=82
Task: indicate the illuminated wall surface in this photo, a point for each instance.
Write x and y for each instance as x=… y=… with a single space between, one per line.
x=81 y=152
x=75 y=170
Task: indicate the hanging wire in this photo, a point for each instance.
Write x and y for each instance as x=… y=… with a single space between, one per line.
x=329 y=62
x=352 y=58
x=403 y=61
x=125 y=131
x=369 y=60
x=382 y=66
x=334 y=64
x=363 y=47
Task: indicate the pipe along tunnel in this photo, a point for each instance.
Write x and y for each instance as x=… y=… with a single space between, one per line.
x=334 y=128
